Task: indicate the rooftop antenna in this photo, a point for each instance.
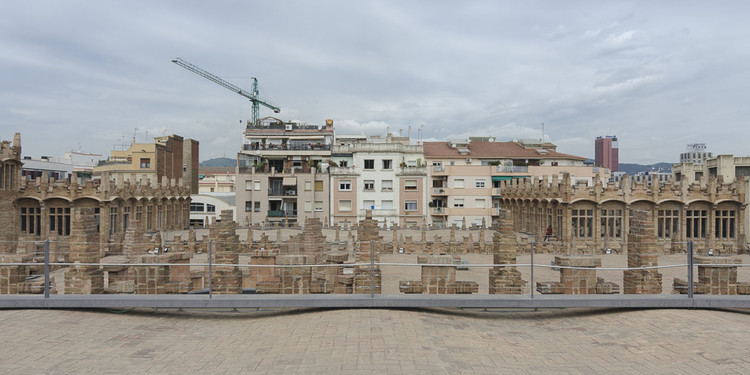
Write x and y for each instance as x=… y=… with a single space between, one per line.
x=542 y=132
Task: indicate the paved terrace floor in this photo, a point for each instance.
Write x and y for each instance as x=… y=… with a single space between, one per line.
x=375 y=341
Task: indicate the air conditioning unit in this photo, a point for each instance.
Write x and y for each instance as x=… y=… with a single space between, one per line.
x=468 y=160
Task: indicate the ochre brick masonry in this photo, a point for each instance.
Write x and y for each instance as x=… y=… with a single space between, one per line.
x=642 y=252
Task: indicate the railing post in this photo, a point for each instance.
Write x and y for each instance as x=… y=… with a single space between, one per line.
x=372 y=268
x=690 y=269
x=531 y=289
x=210 y=270
x=46 y=268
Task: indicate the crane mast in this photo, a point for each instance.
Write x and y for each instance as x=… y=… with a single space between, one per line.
x=254 y=95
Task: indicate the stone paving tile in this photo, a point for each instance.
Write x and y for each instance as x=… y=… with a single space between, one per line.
x=370 y=341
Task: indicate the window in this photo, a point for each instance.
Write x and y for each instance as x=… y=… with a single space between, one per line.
x=368 y=204
x=308 y=206
x=145 y=163
x=410 y=185
x=149 y=218
x=139 y=213
x=369 y=185
x=458 y=202
x=387 y=185
x=369 y=164
x=386 y=205
x=256 y=207
x=582 y=224
x=410 y=205
x=210 y=208
x=345 y=185
x=318 y=206
x=343 y=163
x=458 y=183
x=31 y=220
x=248 y=184
x=668 y=223
x=318 y=185
x=387 y=164
x=125 y=218
x=112 y=220
x=59 y=220
x=611 y=223
x=248 y=206
x=196 y=207
x=257 y=184
x=345 y=205
x=308 y=185
x=479 y=183
x=724 y=224
x=479 y=203
x=695 y=223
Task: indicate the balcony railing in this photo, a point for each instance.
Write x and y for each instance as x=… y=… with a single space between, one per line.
x=280 y=213
x=419 y=171
x=275 y=147
x=380 y=212
x=438 y=210
x=512 y=169
x=438 y=191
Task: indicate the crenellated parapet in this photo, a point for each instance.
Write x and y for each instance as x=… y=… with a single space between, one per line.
x=561 y=189
x=44 y=188
x=593 y=218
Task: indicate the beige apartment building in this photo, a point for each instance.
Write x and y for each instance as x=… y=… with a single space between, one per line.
x=465 y=175
x=216 y=179
x=279 y=179
x=384 y=175
x=170 y=157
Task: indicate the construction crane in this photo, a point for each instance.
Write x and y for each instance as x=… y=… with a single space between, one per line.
x=253 y=96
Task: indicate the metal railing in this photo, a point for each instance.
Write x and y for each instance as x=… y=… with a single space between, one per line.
x=325 y=284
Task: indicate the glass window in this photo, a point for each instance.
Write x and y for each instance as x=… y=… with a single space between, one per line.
x=210 y=208
x=387 y=185
x=458 y=183
x=369 y=163
x=410 y=205
x=387 y=164
x=479 y=183
x=196 y=207
x=318 y=206
x=256 y=207
x=248 y=206
x=369 y=185
x=345 y=185
x=458 y=202
x=145 y=163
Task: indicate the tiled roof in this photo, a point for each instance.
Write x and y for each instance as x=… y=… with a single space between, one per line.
x=488 y=150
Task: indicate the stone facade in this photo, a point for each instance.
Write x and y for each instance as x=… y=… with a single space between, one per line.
x=593 y=218
x=439 y=277
x=504 y=279
x=642 y=252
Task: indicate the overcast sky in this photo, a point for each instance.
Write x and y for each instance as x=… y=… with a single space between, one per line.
x=659 y=75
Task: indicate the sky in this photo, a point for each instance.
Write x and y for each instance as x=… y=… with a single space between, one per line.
x=92 y=75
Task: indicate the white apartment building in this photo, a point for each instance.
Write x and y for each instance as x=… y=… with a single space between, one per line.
x=385 y=175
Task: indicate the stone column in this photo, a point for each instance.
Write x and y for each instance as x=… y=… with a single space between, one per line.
x=84 y=248
x=504 y=279
x=642 y=251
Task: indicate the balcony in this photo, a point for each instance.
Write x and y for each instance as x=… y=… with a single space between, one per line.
x=439 y=191
x=275 y=147
x=343 y=171
x=512 y=169
x=438 y=169
x=412 y=171
x=380 y=212
x=438 y=211
x=280 y=213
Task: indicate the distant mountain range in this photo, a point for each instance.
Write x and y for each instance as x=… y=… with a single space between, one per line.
x=218 y=162
x=632 y=169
